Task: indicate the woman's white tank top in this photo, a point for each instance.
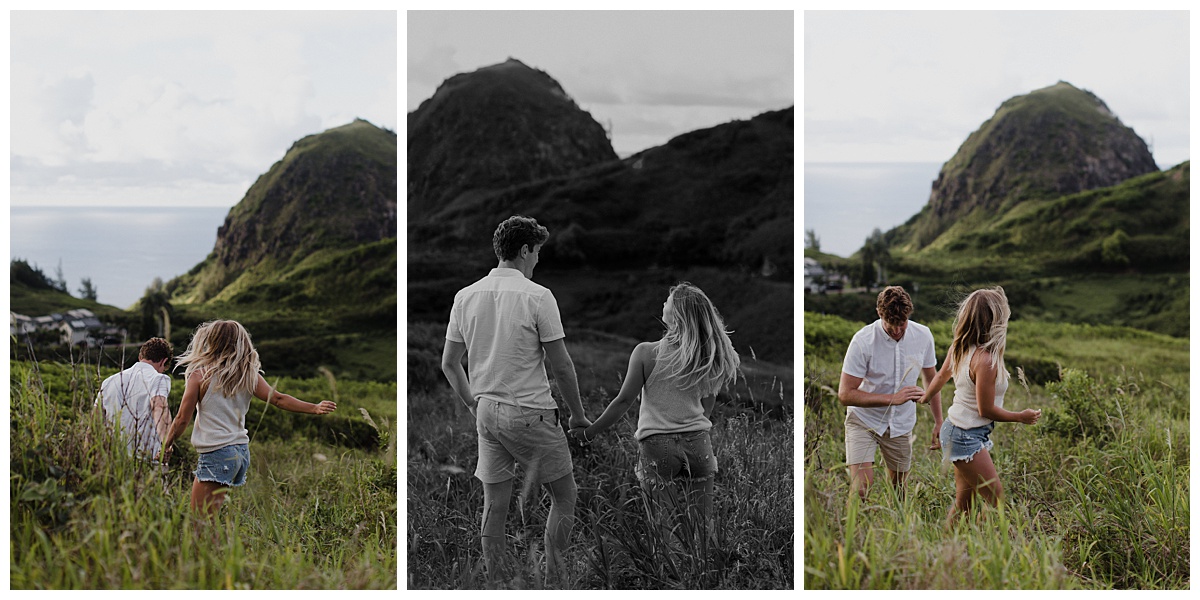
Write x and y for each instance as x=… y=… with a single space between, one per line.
x=964 y=412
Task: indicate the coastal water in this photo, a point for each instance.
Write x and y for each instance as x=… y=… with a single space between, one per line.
x=844 y=202
x=121 y=249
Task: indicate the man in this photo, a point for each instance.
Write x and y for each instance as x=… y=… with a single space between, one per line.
x=507 y=326
x=135 y=400
x=878 y=387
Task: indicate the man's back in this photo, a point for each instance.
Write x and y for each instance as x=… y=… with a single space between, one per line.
x=128 y=394
x=503 y=319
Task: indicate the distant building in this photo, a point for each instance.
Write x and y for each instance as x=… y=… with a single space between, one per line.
x=814 y=276
x=76 y=326
x=19 y=324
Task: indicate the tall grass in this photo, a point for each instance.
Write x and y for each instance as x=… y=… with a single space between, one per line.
x=84 y=514
x=1095 y=497
x=617 y=542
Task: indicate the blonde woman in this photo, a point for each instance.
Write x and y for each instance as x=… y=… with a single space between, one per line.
x=223 y=372
x=976 y=362
x=678 y=377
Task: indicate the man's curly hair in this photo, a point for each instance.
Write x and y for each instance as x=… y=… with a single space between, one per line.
x=894 y=305
x=517 y=231
x=155 y=349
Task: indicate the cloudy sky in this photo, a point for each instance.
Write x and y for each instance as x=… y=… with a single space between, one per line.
x=183 y=108
x=910 y=86
x=651 y=75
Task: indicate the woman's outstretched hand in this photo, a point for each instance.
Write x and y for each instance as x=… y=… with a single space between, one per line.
x=325 y=407
x=1029 y=416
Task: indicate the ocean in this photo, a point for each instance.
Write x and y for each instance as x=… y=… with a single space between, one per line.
x=844 y=202
x=122 y=249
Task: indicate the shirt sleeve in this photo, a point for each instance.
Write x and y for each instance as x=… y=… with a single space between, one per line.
x=855 y=362
x=453 y=333
x=162 y=386
x=930 y=354
x=549 y=323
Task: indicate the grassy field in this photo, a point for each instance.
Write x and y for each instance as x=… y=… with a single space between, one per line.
x=614 y=545
x=318 y=510
x=1096 y=494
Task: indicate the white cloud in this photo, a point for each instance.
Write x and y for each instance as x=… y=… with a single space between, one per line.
x=187 y=95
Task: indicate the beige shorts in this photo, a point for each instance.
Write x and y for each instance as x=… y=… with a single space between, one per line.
x=511 y=435
x=861 y=443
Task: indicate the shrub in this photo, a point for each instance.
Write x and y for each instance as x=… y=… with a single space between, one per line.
x=1086 y=409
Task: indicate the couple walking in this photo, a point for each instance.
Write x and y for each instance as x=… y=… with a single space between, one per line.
x=506 y=325
x=223 y=372
x=878 y=387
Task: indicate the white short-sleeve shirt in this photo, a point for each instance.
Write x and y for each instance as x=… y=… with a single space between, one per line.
x=503 y=319
x=125 y=398
x=885 y=366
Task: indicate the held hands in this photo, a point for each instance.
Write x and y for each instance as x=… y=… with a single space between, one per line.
x=580 y=435
x=325 y=407
x=905 y=394
x=578 y=421
x=1029 y=416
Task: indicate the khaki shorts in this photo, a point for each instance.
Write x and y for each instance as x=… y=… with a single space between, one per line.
x=511 y=435
x=861 y=443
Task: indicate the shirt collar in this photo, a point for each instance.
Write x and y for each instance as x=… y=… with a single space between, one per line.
x=505 y=272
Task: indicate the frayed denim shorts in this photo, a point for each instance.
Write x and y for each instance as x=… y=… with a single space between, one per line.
x=664 y=457
x=960 y=444
x=226 y=466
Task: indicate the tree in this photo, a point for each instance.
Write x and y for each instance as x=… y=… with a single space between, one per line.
x=155 y=310
x=811 y=240
x=875 y=259
x=60 y=282
x=87 y=291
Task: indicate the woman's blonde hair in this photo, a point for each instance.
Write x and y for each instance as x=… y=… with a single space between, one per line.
x=982 y=321
x=221 y=351
x=696 y=348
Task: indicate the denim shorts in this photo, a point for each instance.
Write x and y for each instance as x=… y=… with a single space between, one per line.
x=664 y=457
x=960 y=444
x=511 y=435
x=226 y=466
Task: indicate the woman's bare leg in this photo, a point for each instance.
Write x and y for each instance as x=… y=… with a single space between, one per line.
x=208 y=496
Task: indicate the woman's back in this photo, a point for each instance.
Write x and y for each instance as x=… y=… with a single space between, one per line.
x=220 y=420
x=964 y=411
x=666 y=407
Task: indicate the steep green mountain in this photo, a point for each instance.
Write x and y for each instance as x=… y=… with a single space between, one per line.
x=333 y=190
x=1051 y=142
x=713 y=206
x=1057 y=201
x=307 y=259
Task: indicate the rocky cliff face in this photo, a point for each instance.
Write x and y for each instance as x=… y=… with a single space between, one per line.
x=332 y=190
x=501 y=125
x=1051 y=142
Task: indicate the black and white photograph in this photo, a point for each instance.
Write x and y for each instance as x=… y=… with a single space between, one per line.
x=600 y=266
x=203 y=301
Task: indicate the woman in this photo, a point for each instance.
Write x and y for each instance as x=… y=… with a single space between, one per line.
x=678 y=377
x=976 y=361
x=223 y=372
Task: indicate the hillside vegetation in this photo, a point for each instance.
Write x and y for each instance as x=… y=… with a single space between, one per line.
x=1058 y=202
x=1096 y=494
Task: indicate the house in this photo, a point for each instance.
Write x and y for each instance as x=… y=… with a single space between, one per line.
x=814 y=276
x=77 y=326
x=19 y=324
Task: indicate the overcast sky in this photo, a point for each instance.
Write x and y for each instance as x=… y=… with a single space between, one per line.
x=183 y=108
x=911 y=86
x=651 y=75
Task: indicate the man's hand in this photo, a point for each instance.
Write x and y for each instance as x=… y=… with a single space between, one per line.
x=906 y=394
x=577 y=421
x=937 y=438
